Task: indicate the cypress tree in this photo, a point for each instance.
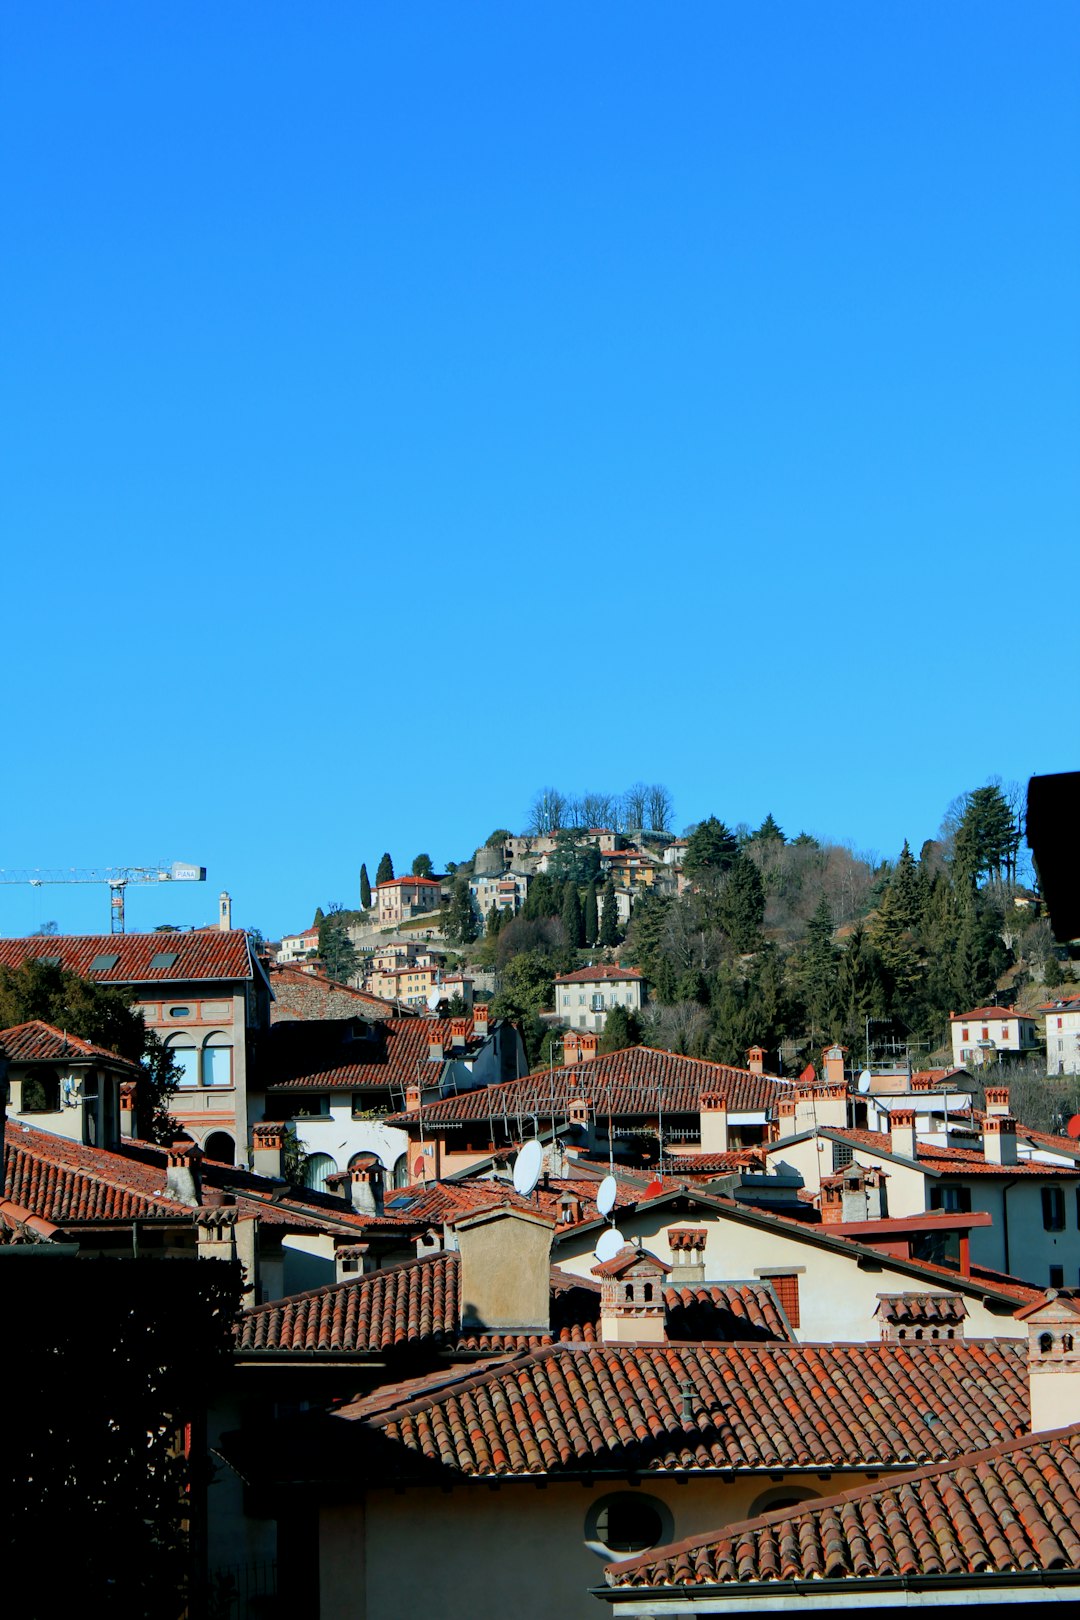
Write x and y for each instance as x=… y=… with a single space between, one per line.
x=385 y=870
x=572 y=920
x=741 y=908
x=592 y=916
x=365 y=889
x=609 y=916
x=494 y=920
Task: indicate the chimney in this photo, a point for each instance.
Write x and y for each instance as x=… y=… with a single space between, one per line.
x=505 y=1270
x=902 y=1132
x=181 y=1170
x=569 y=1049
x=1053 y=1327
x=570 y=1209
x=632 y=1297
x=349 y=1262
x=922 y=1082
x=267 y=1149
x=755 y=1060
x=833 y=1057
x=999 y=1139
x=821 y=1103
x=224 y=912
x=577 y=1111
x=832 y=1200
x=127 y=1108
x=480 y=1020
x=997 y=1099
x=436 y=1047
x=713 y=1122
x=687 y=1246
x=365 y=1184
x=587 y=1045
x=459 y=1033
x=853 y=1193
x=785 y=1115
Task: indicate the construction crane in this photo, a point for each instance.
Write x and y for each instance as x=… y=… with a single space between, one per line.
x=117 y=877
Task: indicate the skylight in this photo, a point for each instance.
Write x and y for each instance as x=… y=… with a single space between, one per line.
x=163 y=959
x=102 y=963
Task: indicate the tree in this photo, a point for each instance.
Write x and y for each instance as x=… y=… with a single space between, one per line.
x=494 y=920
x=527 y=987
x=105 y=1015
x=544 y=898
x=365 y=888
x=421 y=866
x=609 y=916
x=768 y=832
x=572 y=920
x=710 y=852
x=987 y=837
x=320 y=916
x=548 y=811
x=636 y=806
x=571 y=861
x=336 y=949
x=741 y=907
x=498 y=838
x=815 y=972
x=385 y=871
x=622 y=1028
x=660 y=807
x=592 y=917
x=459 y=925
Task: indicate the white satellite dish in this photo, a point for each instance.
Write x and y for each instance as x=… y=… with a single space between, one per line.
x=527 y=1167
x=864 y=1082
x=433 y=999
x=608 y=1244
x=605 y=1195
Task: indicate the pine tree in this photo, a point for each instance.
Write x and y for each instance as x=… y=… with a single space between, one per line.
x=609 y=916
x=592 y=915
x=459 y=925
x=494 y=920
x=710 y=851
x=894 y=931
x=741 y=908
x=622 y=1028
x=385 y=871
x=816 y=974
x=365 y=889
x=572 y=920
x=768 y=832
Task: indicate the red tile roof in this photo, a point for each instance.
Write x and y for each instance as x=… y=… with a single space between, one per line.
x=921 y=1310
x=1012 y=1507
x=394 y=883
x=38 y=1042
x=626 y=1083
x=205 y=953
x=989 y=1012
x=591 y=975
x=66 y=1183
x=750 y=1406
x=951 y=1160
x=323 y=1056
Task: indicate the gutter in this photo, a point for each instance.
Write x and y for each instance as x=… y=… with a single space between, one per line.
x=1005 y=1219
x=852 y=1587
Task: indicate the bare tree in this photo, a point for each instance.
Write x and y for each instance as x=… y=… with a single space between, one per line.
x=660 y=807
x=548 y=811
x=636 y=806
x=597 y=809
x=682 y=1028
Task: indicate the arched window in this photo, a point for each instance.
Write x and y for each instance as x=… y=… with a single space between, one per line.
x=41 y=1092
x=779 y=1498
x=1066 y=1343
x=185 y=1054
x=319 y=1166
x=628 y=1522
x=365 y=1161
x=629 y=1293
x=217 y=1059
x=220 y=1147
x=401 y=1171
x=646 y=1292
x=1046 y=1343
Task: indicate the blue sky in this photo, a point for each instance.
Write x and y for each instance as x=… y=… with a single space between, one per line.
x=408 y=406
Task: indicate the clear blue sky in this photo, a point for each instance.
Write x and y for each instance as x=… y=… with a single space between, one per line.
x=405 y=406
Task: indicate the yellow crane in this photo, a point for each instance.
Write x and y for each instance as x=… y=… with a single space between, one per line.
x=117 y=877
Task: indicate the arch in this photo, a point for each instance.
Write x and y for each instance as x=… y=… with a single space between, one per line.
x=1046 y=1343
x=220 y=1147
x=365 y=1160
x=401 y=1170
x=216 y=1059
x=318 y=1167
x=778 y=1498
x=628 y=1522
x=41 y=1092
x=185 y=1054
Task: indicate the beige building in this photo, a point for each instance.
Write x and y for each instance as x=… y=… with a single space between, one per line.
x=399 y=899
x=979 y=1036
x=584 y=999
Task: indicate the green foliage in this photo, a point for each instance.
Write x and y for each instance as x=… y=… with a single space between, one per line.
x=527 y=987
x=573 y=862
x=336 y=950
x=622 y=1028
x=768 y=832
x=459 y=925
x=740 y=908
x=544 y=899
x=498 y=838
x=815 y=973
x=987 y=838
x=573 y=920
x=592 y=916
x=710 y=852
x=421 y=866
x=365 y=888
x=103 y=1014
x=294 y=1157
x=609 y=917
x=385 y=871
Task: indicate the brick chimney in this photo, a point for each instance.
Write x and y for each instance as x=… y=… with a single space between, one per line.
x=127 y=1108
x=755 y=1060
x=832 y=1200
x=713 y=1122
x=459 y=1033
x=687 y=1246
x=267 y=1150
x=902 y=1132
x=436 y=1047
x=833 y=1061
x=632 y=1297
x=922 y=1082
x=999 y=1139
x=569 y=1049
x=577 y=1111
x=505 y=1270
x=181 y=1172
x=997 y=1099
x=480 y=1020
x=785 y=1115
x=366 y=1189
x=349 y=1261
x=1053 y=1328
x=862 y=1193
x=587 y=1045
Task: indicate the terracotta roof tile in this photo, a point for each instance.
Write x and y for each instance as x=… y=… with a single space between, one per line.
x=386 y=1056
x=66 y=1183
x=1012 y=1507
x=921 y=1310
x=38 y=1042
x=205 y=953
x=602 y=971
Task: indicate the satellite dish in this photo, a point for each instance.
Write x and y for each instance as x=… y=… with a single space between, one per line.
x=418 y=1167
x=1073 y=1127
x=654 y=1189
x=433 y=999
x=608 y=1244
x=864 y=1082
x=605 y=1195
x=527 y=1167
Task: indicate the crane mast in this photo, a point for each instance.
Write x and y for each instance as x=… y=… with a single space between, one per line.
x=117 y=877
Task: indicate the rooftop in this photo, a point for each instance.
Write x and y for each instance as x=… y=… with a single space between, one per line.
x=204 y=953
x=603 y=971
x=335 y=1053
x=38 y=1042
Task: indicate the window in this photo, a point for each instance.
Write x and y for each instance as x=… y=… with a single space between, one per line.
x=163 y=959
x=964 y=1035
x=41 y=1093
x=1057 y=1276
x=179 y=1012
x=950 y=1199
x=985 y=1033
x=102 y=963
x=1053 y=1209
x=319 y=1166
x=598 y=1001
x=628 y=1522
x=1004 y=1032
x=182 y=1050
x=841 y=1155
x=787 y=1292
x=217 y=1061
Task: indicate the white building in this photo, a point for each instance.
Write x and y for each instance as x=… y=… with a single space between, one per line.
x=297 y=947
x=1062 y=1035
x=584 y=999
x=980 y=1035
x=506 y=890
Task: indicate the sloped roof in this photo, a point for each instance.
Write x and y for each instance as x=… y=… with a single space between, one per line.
x=1014 y=1506
x=319 y=1056
x=205 y=953
x=990 y=1012
x=751 y=1406
x=941 y=1160
x=38 y=1042
x=63 y=1182
x=626 y=1083
x=921 y=1310
x=602 y=971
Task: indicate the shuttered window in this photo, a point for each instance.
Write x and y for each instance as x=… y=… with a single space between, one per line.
x=787 y=1292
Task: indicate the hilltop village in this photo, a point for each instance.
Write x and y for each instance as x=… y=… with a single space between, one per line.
x=513 y=1244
